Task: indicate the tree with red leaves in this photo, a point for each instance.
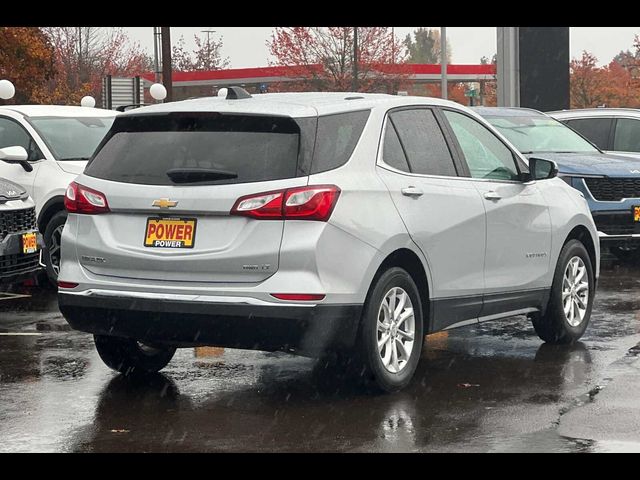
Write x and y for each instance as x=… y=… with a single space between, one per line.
x=84 y=55
x=323 y=58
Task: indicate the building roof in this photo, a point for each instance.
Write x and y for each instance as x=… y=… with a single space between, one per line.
x=237 y=76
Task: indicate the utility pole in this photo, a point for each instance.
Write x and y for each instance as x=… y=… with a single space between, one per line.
x=157 y=54
x=208 y=32
x=354 y=80
x=167 y=79
x=443 y=62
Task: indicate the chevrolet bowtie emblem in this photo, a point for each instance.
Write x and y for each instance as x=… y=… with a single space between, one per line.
x=164 y=203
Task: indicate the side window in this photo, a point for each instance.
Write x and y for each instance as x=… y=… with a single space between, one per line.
x=594 y=129
x=627 y=136
x=486 y=156
x=336 y=139
x=392 y=152
x=13 y=134
x=423 y=142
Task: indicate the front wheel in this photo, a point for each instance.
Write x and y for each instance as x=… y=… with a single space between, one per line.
x=571 y=300
x=129 y=356
x=390 y=338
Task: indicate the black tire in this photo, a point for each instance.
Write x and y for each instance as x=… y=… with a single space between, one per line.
x=626 y=254
x=51 y=242
x=128 y=356
x=368 y=356
x=554 y=327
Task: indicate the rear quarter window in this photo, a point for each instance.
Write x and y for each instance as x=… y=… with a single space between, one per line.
x=336 y=138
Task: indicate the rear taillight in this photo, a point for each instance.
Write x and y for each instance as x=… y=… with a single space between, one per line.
x=81 y=199
x=301 y=203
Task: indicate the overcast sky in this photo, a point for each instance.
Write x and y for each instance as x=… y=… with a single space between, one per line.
x=245 y=46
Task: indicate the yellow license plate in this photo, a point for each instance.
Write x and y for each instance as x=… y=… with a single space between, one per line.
x=29 y=243
x=170 y=232
x=636 y=213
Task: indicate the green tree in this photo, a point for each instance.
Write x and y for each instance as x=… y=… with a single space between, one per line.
x=425 y=47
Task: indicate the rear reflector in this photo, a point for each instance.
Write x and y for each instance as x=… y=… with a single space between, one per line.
x=300 y=297
x=62 y=284
x=314 y=202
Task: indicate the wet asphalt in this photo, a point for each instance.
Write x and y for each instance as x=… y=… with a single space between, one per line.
x=493 y=387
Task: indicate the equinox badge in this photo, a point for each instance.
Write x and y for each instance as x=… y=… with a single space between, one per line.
x=164 y=203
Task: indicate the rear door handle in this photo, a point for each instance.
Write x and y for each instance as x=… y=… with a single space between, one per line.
x=412 y=192
x=492 y=195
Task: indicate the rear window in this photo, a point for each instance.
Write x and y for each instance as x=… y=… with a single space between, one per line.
x=252 y=148
x=143 y=148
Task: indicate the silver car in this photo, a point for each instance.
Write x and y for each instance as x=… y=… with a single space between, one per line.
x=317 y=222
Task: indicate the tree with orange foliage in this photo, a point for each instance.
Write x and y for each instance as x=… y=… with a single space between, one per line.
x=587 y=82
x=323 y=57
x=612 y=85
x=27 y=60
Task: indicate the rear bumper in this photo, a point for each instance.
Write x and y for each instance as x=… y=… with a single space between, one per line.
x=302 y=329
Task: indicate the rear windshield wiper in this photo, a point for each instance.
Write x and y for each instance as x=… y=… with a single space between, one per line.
x=194 y=175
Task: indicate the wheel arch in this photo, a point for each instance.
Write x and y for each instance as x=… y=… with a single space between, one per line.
x=581 y=233
x=408 y=260
x=50 y=208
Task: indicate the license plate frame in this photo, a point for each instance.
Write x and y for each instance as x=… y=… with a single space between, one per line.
x=150 y=242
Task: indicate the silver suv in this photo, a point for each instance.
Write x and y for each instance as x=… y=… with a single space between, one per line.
x=315 y=222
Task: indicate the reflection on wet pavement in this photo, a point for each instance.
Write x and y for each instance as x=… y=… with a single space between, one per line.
x=491 y=387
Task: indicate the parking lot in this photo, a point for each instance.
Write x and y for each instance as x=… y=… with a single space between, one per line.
x=491 y=387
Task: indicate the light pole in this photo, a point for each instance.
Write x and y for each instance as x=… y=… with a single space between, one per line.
x=443 y=61
x=156 y=53
x=354 y=80
x=167 y=79
x=208 y=32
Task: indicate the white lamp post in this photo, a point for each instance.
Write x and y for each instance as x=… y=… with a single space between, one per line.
x=158 y=91
x=7 y=90
x=88 y=101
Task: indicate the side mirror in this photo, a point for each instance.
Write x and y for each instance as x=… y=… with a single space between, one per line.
x=17 y=155
x=541 y=169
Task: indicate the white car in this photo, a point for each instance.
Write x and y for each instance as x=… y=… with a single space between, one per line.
x=614 y=130
x=59 y=140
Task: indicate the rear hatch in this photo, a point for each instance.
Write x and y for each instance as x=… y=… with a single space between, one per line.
x=171 y=180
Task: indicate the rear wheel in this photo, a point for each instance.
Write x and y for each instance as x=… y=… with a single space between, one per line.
x=391 y=335
x=572 y=292
x=52 y=241
x=129 y=356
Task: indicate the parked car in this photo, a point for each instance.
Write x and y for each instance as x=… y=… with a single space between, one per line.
x=314 y=222
x=610 y=183
x=614 y=130
x=59 y=140
x=20 y=241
